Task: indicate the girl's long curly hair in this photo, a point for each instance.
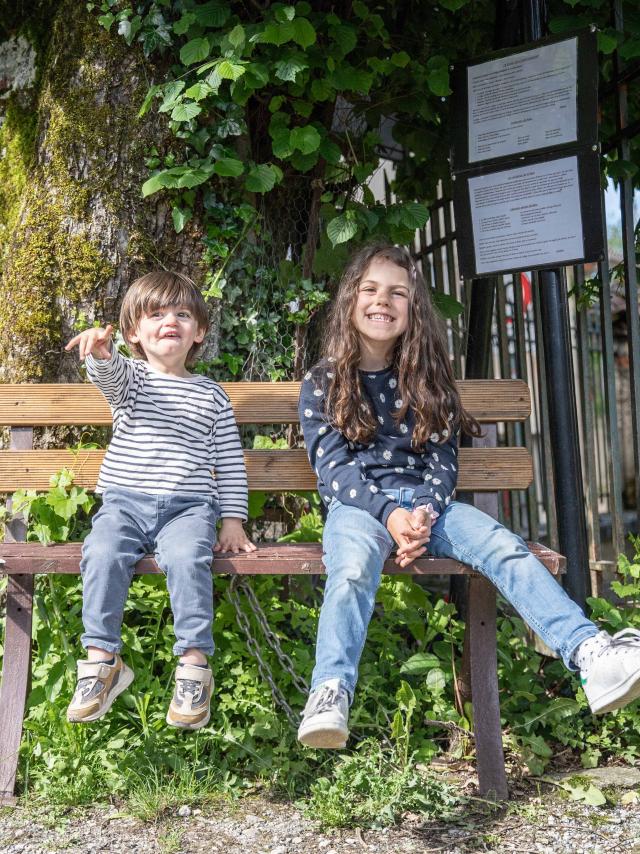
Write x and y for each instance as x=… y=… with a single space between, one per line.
x=420 y=359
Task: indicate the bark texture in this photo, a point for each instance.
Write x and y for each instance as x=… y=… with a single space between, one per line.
x=74 y=229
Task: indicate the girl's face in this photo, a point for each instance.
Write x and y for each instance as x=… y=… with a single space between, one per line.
x=381 y=312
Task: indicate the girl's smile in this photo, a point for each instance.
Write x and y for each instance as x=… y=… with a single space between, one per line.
x=381 y=312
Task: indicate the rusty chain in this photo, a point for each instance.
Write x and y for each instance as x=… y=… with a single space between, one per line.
x=237 y=583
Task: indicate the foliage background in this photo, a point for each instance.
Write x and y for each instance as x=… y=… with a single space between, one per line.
x=280 y=114
x=259 y=126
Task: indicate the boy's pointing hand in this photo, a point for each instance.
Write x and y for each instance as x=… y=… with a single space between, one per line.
x=96 y=341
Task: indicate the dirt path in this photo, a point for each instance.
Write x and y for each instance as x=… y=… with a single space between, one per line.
x=540 y=818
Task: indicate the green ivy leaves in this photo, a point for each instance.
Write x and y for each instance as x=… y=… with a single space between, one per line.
x=298 y=30
x=305 y=139
x=342 y=228
x=401 y=221
x=228 y=167
x=296 y=60
x=259 y=178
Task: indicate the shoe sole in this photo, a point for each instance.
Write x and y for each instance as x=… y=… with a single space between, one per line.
x=123 y=683
x=613 y=700
x=182 y=725
x=323 y=737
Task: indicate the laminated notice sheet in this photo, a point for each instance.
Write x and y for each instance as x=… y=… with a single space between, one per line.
x=526 y=217
x=523 y=102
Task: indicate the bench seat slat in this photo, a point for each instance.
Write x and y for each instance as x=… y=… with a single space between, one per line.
x=269 y=559
x=45 y=404
x=481 y=469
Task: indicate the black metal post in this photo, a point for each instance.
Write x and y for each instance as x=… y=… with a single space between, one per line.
x=563 y=423
x=478 y=356
x=563 y=418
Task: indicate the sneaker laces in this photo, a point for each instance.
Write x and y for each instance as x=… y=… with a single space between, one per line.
x=626 y=637
x=328 y=697
x=629 y=638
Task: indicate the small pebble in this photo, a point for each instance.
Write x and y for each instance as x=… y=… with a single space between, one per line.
x=184 y=811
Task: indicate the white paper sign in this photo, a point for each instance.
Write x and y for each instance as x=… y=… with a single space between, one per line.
x=524 y=101
x=527 y=217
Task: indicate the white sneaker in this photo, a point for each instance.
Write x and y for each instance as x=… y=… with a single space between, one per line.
x=325 y=717
x=611 y=674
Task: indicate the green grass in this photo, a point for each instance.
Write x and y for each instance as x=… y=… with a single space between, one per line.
x=152 y=794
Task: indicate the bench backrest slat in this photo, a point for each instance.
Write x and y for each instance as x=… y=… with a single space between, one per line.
x=481 y=469
x=37 y=405
x=22 y=407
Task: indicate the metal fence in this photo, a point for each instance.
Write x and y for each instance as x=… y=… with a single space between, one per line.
x=605 y=334
x=606 y=374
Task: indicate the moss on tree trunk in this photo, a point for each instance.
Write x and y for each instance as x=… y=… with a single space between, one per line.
x=74 y=229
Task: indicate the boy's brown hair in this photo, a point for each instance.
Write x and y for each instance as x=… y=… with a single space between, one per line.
x=157 y=290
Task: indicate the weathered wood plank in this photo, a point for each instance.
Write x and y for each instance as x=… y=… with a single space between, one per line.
x=481 y=469
x=45 y=404
x=270 y=558
x=16 y=670
x=484 y=690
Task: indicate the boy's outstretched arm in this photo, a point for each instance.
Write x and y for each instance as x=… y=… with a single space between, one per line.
x=94 y=341
x=233 y=538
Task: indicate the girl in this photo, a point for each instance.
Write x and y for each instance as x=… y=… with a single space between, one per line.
x=380 y=414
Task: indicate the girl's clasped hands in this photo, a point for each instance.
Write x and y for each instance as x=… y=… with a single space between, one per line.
x=411 y=530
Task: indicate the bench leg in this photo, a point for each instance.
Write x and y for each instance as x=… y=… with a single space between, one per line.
x=484 y=690
x=16 y=670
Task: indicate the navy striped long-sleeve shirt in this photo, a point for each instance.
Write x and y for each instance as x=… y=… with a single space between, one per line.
x=170 y=434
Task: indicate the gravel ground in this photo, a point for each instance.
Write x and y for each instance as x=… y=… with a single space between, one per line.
x=539 y=818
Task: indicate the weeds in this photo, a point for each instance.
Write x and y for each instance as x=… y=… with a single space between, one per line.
x=368 y=789
x=170 y=842
x=406 y=675
x=152 y=794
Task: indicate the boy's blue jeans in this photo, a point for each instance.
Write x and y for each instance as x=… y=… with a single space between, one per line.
x=356 y=546
x=180 y=529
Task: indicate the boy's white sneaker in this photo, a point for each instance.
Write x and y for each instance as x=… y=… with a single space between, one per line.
x=325 y=717
x=610 y=669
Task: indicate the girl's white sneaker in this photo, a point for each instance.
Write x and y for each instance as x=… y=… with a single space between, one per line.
x=610 y=670
x=325 y=717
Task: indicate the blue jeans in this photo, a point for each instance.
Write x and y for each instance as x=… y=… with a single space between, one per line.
x=356 y=546
x=181 y=530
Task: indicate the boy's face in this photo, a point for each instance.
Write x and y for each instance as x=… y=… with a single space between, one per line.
x=167 y=335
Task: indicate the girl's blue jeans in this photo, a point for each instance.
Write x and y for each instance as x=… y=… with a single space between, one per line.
x=180 y=529
x=356 y=546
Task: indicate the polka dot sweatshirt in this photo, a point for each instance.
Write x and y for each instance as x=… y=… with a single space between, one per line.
x=357 y=474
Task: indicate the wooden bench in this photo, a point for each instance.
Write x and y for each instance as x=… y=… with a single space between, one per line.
x=483 y=470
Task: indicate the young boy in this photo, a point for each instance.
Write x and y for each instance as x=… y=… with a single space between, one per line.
x=160 y=493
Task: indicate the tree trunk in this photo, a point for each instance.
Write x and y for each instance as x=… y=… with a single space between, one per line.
x=74 y=229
